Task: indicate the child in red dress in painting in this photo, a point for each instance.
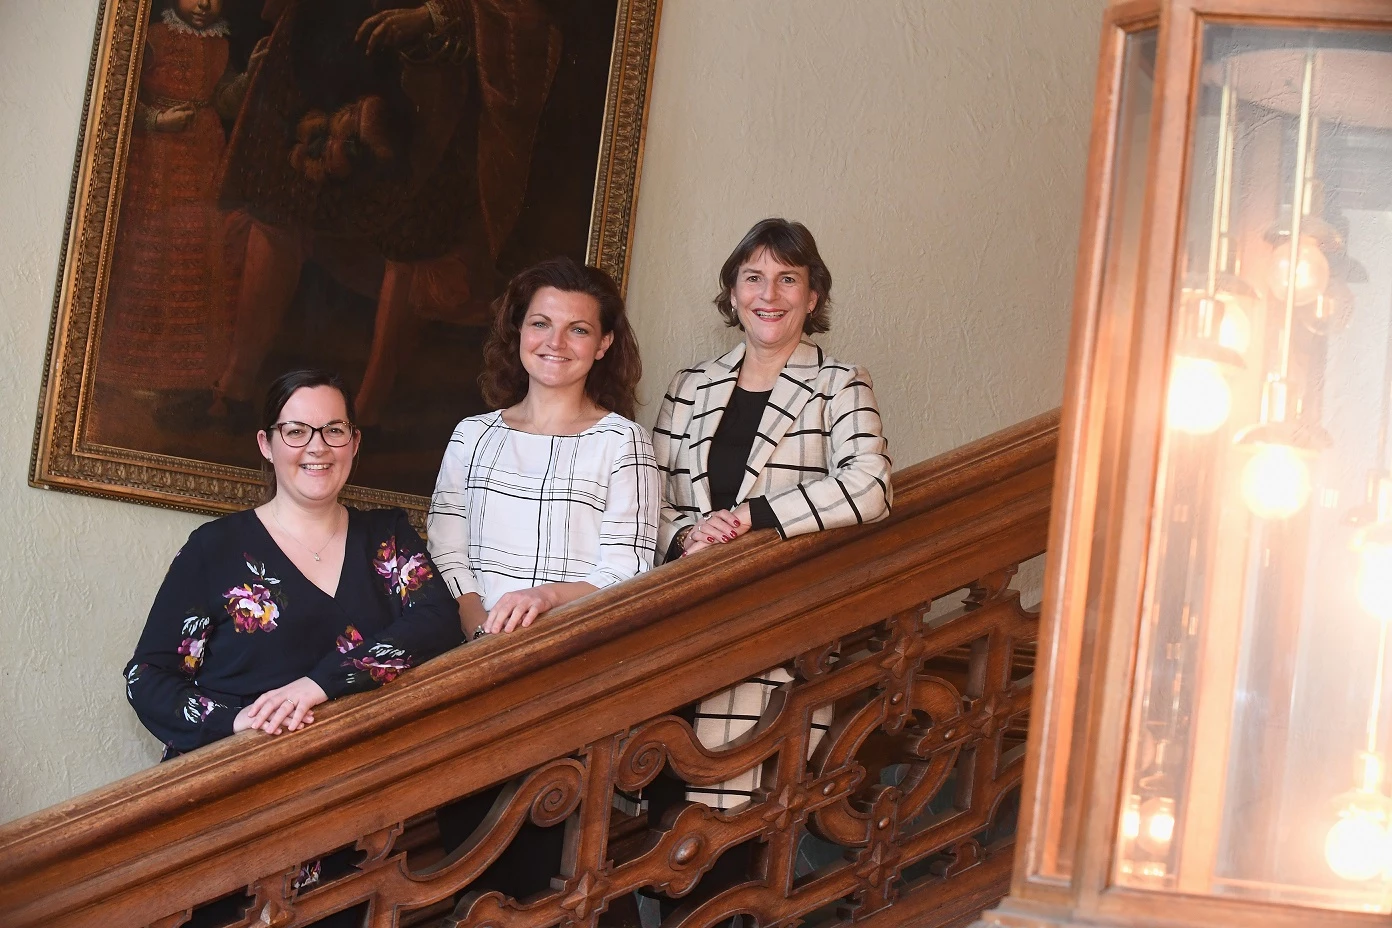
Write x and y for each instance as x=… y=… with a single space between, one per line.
x=168 y=311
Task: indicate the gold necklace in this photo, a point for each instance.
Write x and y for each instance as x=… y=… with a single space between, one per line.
x=297 y=541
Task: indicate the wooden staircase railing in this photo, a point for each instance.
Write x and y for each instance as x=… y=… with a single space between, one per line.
x=910 y=785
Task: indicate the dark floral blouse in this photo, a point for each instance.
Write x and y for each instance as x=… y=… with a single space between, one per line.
x=235 y=618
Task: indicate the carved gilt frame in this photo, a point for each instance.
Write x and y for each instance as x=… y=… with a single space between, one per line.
x=63 y=456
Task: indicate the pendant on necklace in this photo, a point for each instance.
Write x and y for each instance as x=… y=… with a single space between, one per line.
x=316 y=557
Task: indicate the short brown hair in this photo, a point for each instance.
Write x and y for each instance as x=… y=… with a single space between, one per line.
x=613 y=381
x=791 y=243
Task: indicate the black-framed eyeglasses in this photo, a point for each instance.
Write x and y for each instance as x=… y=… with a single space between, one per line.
x=336 y=434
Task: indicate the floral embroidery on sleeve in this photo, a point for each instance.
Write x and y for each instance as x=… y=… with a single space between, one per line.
x=195 y=641
x=403 y=575
x=133 y=677
x=308 y=876
x=198 y=708
x=383 y=663
x=350 y=639
x=254 y=606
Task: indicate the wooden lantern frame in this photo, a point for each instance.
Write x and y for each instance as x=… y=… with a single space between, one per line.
x=1104 y=493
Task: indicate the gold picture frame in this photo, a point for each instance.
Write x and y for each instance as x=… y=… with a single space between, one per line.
x=68 y=453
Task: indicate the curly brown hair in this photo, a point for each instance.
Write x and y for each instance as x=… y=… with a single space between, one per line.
x=791 y=243
x=613 y=381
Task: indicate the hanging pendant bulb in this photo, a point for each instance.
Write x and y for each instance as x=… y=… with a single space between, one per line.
x=1131 y=818
x=1311 y=271
x=1157 y=824
x=1199 y=398
x=1276 y=481
x=1331 y=311
x=1319 y=241
x=1372 y=547
x=1373 y=586
x=1359 y=845
x=1356 y=848
x=1235 y=331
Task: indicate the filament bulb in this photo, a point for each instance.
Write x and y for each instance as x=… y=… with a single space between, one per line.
x=1199 y=399
x=1235 y=331
x=1357 y=847
x=1373 y=584
x=1311 y=270
x=1276 y=481
x=1131 y=818
x=1156 y=824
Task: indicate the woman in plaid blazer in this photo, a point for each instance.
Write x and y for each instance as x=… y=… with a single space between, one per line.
x=774 y=434
x=815 y=455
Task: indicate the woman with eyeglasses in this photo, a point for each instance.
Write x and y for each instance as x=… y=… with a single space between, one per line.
x=267 y=613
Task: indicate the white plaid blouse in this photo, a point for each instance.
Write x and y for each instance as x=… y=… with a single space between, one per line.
x=820 y=459
x=512 y=509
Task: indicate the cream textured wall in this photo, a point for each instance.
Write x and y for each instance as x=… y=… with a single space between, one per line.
x=935 y=147
x=76 y=575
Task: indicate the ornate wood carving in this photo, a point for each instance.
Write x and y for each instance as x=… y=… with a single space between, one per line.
x=907 y=792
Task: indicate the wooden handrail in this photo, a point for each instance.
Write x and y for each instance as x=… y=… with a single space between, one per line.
x=578 y=689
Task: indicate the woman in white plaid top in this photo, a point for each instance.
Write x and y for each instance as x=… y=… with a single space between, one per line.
x=550 y=497
x=556 y=494
x=775 y=434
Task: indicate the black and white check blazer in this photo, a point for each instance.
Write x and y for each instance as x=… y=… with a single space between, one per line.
x=820 y=457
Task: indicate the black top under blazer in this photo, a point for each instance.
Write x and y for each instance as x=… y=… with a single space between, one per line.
x=819 y=458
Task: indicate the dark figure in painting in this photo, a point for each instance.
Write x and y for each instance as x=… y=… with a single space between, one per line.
x=345 y=184
x=167 y=315
x=391 y=146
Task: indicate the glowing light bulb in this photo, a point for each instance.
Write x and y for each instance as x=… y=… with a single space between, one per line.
x=1235 y=331
x=1357 y=847
x=1276 y=481
x=1373 y=585
x=1131 y=819
x=1331 y=311
x=1311 y=270
x=1200 y=399
x=1156 y=824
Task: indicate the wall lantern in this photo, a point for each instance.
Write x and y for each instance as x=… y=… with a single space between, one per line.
x=1212 y=746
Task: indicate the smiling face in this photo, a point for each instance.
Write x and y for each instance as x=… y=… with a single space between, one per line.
x=200 y=14
x=312 y=475
x=773 y=300
x=560 y=338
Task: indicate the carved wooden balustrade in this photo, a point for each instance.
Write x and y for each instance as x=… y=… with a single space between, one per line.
x=907 y=793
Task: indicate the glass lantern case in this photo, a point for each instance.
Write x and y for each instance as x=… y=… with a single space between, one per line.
x=1212 y=745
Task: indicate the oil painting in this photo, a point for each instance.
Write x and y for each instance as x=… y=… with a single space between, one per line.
x=347 y=184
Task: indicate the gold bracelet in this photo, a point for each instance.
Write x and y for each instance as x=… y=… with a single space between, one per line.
x=684 y=534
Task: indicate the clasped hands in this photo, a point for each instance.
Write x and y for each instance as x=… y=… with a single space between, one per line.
x=717 y=528
x=286 y=708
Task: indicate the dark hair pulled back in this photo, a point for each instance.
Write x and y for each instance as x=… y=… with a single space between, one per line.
x=279 y=393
